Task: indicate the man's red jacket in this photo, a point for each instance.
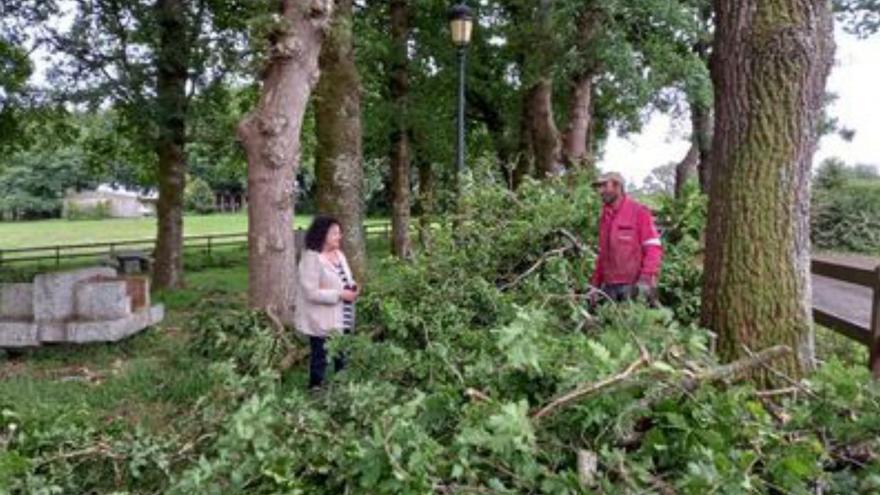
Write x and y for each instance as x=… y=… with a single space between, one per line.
x=629 y=245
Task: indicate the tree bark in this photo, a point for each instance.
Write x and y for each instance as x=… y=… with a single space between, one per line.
x=697 y=159
x=575 y=144
x=542 y=128
x=702 y=118
x=703 y=124
x=171 y=76
x=686 y=169
x=271 y=138
x=339 y=161
x=525 y=151
x=539 y=144
x=400 y=145
x=770 y=63
x=575 y=149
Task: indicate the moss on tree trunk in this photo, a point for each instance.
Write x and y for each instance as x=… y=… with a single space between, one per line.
x=339 y=161
x=400 y=145
x=770 y=63
x=171 y=78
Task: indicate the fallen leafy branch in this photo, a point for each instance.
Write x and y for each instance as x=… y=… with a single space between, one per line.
x=591 y=388
x=543 y=259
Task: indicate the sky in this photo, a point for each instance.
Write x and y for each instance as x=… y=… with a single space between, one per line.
x=855 y=78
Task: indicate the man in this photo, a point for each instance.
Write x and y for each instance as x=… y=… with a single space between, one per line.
x=630 y=252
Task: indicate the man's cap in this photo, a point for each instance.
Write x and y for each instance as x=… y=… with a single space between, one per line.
x=609 y=176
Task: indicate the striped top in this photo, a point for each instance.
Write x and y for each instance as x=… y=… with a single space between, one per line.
x=347 y=307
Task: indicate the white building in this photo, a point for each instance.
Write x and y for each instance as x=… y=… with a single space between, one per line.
x=115 y=201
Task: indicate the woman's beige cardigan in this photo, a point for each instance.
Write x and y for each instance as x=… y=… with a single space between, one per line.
x=319 y=299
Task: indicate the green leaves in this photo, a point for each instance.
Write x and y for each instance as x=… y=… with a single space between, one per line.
x=507 y=433
x=520 y=341
x=444 y=376
x=846 y=208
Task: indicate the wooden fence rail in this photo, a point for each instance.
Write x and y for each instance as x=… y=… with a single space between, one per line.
x=863 y=277
x=206 y=242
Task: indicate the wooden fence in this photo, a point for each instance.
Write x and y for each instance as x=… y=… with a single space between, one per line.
x=869 y=336
x=864 y=277
x=97 y=250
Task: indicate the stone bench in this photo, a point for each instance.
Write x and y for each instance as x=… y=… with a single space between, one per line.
x=87 y=305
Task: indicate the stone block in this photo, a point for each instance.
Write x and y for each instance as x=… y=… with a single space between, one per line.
x=81 y=332
x=18 y=334
x=17 y=302
x=114 y=330
x=53 y=292
x=157 y=314
x=52 y=331
x=101 y=300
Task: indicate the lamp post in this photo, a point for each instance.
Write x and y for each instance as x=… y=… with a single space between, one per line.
x=460 y=26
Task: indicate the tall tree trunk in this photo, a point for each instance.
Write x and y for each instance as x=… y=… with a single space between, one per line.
x=686 y=169
x=703 y=124
x=697 y=159
x=702 y=118
x=171 y=76
x=271 y=138
x=525 y=155
x=575 y=149
x=339 y=160
x=400 y=146
x=544 y=135
x=575 y=145
x=770 y=63
x=539 y=146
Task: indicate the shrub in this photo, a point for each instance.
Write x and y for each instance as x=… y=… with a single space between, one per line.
x=847 y=218
x=198 y=196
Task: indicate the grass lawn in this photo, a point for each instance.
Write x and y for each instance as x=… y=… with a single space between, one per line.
x=145 y=380
x=148 y=379
x=60 y=231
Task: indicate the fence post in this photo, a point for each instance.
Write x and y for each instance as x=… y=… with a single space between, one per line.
x=1 y=257
x=57 y=256
x=875 y=326
x=209 y=245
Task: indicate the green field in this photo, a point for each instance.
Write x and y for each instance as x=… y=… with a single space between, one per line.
x=60 y=232
x=148 y=379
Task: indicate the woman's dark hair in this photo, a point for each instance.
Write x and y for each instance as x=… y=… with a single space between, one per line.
x=317 y=233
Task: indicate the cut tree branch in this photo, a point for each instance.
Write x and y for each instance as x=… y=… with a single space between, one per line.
x=543 y=259
x=591 y=388
x=689 y=383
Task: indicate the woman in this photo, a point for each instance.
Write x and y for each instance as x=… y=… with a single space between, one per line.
x=325 y=301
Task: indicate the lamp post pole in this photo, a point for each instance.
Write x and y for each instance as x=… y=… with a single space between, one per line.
x=461 y=25
x=460 y=135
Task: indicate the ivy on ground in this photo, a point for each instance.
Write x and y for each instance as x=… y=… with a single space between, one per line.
x=478 y=369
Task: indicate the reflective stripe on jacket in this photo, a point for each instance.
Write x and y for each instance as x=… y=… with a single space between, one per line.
x=629 y=245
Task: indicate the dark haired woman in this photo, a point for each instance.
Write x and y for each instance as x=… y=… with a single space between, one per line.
x=325 y=301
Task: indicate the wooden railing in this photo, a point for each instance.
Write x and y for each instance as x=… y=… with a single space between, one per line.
x=864 y=277
x=206 y=243
x=868 y=336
